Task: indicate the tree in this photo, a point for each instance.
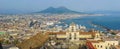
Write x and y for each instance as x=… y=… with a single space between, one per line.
x=16 y=41
x=6 y=42
x=113 y=33
x=34 y=42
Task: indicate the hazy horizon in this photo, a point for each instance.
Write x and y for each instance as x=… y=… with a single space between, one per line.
x=77 y=5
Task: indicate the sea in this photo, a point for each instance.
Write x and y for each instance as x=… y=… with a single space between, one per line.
x=102 y=23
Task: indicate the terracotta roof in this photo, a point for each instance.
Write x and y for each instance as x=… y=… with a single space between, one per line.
x=87 y=33
x=54 y=33
x=90 y=45
x=96 y=41
x=81 y=33
x=117 y=46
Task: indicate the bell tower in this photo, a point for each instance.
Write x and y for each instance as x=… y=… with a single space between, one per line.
x=73 y=33
x=72 y=27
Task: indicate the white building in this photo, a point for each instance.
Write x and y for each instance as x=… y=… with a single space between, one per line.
x=13 y=48
x=106 y=43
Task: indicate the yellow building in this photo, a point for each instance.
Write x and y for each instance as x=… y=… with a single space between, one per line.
x=73 y=33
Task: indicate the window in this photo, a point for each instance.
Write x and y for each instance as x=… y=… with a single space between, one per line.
x=98 y=45
x=74 y=35
x=108 y=44
x=113 y=43
x=106 y=47
x=72 y=29
x=101 y=46
x=70 y=36
x=95 y=45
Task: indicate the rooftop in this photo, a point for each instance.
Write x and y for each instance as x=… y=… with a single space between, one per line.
x=109 y=39
x=117 y=46
x=57 y=33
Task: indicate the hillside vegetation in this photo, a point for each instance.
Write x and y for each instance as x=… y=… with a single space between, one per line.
x=34 y=42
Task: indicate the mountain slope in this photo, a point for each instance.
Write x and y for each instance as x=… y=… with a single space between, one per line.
x=59 y=10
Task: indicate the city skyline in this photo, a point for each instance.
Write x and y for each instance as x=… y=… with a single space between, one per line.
x=59 y=24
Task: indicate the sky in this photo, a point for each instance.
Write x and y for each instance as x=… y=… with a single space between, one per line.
x=77 y=5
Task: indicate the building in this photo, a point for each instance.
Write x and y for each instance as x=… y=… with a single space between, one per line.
x=74 y=33
x=13 y=48
x=106 y=43
x=117 y=47
x=92 y=39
